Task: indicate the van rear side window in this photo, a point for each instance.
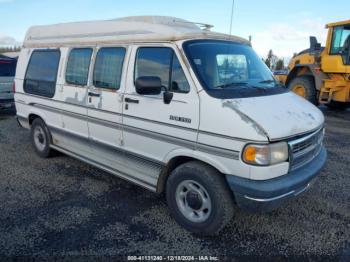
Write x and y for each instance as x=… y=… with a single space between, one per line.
x=41 y=73
x=108 y=67
x=78 y=65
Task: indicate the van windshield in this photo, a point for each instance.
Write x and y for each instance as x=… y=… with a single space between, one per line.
x=230 y=70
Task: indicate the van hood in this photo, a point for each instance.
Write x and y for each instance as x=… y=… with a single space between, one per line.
x=278 y=116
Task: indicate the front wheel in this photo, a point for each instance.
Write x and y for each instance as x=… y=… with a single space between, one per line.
x=41 y=138
x=199 y=198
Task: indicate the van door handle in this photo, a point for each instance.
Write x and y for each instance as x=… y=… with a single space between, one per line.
x=129 y=100
x=94 y=94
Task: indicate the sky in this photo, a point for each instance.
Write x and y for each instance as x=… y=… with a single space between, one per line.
x=281 y=25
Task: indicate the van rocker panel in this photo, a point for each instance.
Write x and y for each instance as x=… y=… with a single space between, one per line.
x=266 y=195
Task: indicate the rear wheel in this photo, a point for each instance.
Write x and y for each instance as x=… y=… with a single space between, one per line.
x=41 y=138
x=199 y=198
x=304 y=86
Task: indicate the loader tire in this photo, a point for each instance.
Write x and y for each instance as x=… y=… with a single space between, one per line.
x=304 y=86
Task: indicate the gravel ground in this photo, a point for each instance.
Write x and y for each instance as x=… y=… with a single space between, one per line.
x=64 y=208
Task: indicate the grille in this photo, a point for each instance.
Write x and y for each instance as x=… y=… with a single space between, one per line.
x=305 y=149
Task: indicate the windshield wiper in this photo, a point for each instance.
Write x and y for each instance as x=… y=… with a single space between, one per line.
x=267 y=81
x=232 y=84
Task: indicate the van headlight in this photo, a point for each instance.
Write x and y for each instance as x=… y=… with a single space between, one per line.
x=264 y=155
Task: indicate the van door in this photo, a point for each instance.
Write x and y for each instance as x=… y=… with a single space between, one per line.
x=153 y=128
x=105 y=106
x=74 y=96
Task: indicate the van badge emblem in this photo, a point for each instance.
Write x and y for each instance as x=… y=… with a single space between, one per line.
x=181 y=119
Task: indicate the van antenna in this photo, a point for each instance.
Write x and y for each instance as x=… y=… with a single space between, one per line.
x=230 y=33
x=232 y=10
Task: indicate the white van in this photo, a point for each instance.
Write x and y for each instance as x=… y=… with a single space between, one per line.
x=174 y=108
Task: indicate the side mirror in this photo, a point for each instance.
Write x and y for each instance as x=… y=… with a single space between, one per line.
x=148 y=85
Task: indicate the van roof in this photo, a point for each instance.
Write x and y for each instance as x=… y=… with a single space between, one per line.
x=122 y=30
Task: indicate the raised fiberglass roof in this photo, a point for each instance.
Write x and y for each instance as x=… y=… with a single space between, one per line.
x=128 y=29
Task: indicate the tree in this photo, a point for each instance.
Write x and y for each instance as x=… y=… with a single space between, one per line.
x=270 y=55
x=271 y=59
x=279 y=64
x=6 y=49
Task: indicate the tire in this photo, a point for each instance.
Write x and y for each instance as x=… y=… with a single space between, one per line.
x=207 y=184
x=338 y=105
x=307 y=83
x=41 y=138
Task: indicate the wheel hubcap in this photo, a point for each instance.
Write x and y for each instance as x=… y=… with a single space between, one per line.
x=299 y=90
x=193 y=201
x=39 y=138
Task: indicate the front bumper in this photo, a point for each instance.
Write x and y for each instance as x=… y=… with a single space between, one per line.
x=266 y=195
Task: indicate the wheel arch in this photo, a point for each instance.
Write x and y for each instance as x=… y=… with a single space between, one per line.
x=312 y=71
x=32 y=117
x=179 y=157
x=297 y=71
x=33 y=114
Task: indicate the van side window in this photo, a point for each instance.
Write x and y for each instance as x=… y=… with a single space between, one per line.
x=41 y=73
x=77 y=71
x=163 y=63
x=108 y=67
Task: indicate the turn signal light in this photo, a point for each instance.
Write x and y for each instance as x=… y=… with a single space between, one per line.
x=264 y=155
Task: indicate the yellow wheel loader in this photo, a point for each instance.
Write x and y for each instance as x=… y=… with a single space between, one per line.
x=322 y=74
